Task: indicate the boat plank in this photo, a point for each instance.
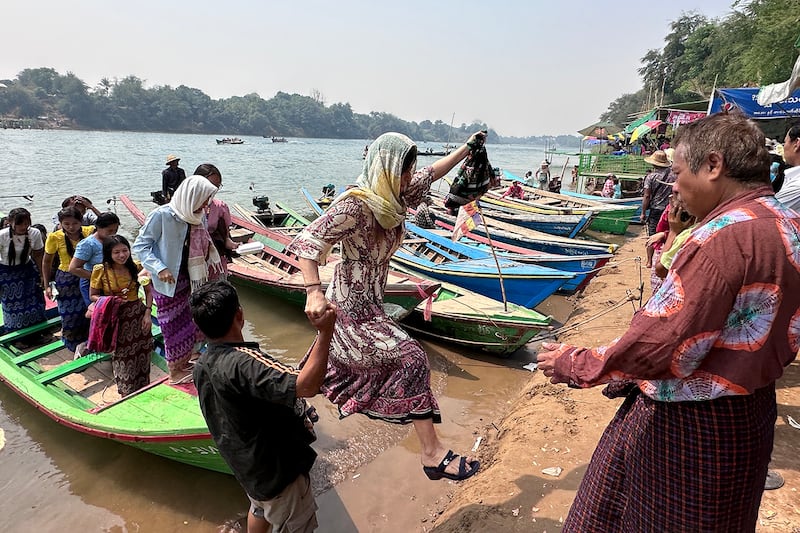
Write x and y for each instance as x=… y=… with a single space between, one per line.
x=76 y=365
x=38 y=353
x=30 y=329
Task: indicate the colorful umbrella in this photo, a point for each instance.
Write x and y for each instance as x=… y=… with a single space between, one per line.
x=645 y=128
x=600 y=129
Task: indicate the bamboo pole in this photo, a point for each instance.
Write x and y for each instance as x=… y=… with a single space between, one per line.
x=494 y=255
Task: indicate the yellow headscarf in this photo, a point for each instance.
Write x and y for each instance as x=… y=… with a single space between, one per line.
x=378 y=186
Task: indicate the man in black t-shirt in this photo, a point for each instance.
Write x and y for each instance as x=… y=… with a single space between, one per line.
x=255 y=411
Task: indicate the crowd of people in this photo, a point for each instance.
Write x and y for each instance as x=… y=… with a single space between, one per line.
x=697 y=365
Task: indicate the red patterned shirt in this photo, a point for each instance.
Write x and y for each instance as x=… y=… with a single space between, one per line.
x=726 y=321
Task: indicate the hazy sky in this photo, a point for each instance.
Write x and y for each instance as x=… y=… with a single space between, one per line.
x=524 y=67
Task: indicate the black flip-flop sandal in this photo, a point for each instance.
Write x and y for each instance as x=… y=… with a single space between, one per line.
x=438 y=472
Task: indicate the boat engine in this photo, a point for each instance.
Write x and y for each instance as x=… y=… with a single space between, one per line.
x=262 y=204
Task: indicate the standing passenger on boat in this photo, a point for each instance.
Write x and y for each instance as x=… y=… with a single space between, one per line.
x=71 y=306
x=89 y=252
x=120 y=316
x=22 y=296
x=375 y=367
x=218 y=216
x=175 y=247
x=171 y=177
x=543 y=175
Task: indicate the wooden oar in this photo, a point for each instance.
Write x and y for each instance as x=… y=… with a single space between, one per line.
x=563 y=169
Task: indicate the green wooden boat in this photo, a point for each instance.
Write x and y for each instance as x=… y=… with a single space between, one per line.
x=80 y=393
x=277 y=273
x=608 y=218
x=469 y=319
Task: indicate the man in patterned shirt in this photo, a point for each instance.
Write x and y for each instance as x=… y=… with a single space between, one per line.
x=688 y=449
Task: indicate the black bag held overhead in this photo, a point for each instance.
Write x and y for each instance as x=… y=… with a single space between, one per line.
x=474 y=178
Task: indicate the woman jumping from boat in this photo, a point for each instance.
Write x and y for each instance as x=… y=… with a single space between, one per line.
x=71 y=306
x=22 y=297
x=375 y=367
x=115 y=291
x=175 y=247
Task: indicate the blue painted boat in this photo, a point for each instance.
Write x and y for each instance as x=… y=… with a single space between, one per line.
x=584 y=267
x=442 y=259
x=534 y=240
x=554 y=224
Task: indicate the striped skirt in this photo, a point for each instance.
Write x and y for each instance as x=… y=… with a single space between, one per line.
x=175 y=318
x=678 y=466
x=22 y=297
x=131 y=359
x=72 y=308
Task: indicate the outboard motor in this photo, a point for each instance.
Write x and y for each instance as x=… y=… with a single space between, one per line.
x=262 y=204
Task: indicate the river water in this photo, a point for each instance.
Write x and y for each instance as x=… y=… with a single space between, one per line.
x=56 y=479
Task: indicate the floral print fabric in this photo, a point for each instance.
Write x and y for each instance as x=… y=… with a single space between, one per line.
x=725 y=320
x=374 y=366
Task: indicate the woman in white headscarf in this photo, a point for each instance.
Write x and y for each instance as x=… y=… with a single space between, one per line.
x=375 y=367
x=175 y=247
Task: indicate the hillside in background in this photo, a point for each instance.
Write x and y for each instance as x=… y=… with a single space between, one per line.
x=41 y=97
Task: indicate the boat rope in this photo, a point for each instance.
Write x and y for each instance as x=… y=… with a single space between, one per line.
x=630 y=296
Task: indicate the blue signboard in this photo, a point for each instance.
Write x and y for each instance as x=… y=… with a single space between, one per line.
x=745 y=100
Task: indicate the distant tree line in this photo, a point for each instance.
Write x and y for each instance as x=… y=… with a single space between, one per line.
x=751 y=47
x=127 y=104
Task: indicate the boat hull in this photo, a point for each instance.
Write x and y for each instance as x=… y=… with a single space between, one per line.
x=477 y=334
x=607 y=219
x=161 y=419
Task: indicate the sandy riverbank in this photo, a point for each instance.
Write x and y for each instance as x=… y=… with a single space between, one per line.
x=554 y=426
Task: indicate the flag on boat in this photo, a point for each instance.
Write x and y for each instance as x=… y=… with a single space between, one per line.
x=778 y=92
x=468 y=219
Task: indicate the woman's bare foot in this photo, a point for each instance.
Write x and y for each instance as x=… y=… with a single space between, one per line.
x=179 y=376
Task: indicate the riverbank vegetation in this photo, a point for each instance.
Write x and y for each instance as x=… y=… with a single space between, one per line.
x=46 y=98
x=751 y=47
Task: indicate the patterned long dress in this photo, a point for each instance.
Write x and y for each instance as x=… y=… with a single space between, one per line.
x=130 y=361
x=375 y=367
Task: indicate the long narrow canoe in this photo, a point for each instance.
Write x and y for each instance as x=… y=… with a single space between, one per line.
x=443 y=260
x=468 y=319
x=585 y=267
x=80 y=394
x=608 y=219
x=635 y=201
x=534 y=240
x=277 y=272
